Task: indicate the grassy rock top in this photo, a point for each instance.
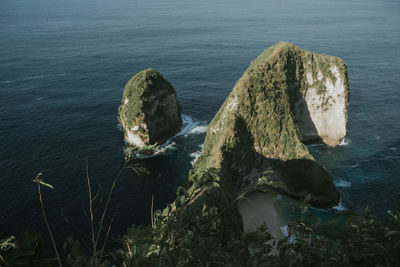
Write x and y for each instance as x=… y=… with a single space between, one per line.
x=149 y=111
x=254 y=139
x=138 y=91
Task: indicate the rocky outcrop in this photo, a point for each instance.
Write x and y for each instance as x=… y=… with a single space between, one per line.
x=256 y=143
x=321 y=111
x=287 y=96
x=149 y=112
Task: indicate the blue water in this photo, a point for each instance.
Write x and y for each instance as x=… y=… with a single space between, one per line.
x=64 y=65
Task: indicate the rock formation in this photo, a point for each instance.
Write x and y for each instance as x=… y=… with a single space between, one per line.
x=321 y=111
x=287 y=96
x=149 y=112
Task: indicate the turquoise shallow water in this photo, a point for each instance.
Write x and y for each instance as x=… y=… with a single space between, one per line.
x=64 y=65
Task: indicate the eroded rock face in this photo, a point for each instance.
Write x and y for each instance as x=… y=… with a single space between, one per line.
x=321 y=112
x=149 y=112
x=285 y=97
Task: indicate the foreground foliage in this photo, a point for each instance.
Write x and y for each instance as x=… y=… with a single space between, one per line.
x=345 y=239
x=202 y=227
x=25 y=250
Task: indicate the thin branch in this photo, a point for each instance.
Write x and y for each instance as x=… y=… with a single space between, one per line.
x=151 y=211
x=129 y=249
x=48 y=226
x=105 y=240
x=64 y=217
x=3 y=260
x=94 y=243
x=107 y=202
x=97 y=193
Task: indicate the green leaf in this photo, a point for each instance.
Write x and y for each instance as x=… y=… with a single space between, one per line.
x=393 y=234
x=46 y=184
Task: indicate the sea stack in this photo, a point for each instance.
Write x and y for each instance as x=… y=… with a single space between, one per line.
x=149 y=112
x=286 y=97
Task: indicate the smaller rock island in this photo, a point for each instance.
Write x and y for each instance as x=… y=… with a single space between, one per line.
x=149 y=112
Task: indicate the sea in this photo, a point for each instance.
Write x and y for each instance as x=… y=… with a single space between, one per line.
x=64 y=65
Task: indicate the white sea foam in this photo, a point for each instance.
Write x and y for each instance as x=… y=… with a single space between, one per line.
x=342 y=183
x=200 y=129
x=285 y=232
x=340 y=206
x=195 y=155
x=163 y=148
x=188 y=125
x=345 y=142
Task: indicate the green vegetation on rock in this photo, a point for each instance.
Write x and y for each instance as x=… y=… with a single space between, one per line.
x=344 y=239
x=252 y=144
x=149 y=112
x=255 y=129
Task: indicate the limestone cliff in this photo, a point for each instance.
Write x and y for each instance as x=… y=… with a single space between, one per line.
x=321 y=111
x=285 y=97
x=149 y=112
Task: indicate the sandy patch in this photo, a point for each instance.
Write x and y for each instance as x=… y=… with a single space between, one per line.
x=258 y=208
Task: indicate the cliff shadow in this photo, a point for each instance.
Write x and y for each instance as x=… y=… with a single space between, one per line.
x=306 y=126
x=298 y=104
x=300 y=176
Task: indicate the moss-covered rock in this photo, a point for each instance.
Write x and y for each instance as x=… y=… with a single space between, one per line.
x=149 y=112
x=255 y=139
x=253 y=144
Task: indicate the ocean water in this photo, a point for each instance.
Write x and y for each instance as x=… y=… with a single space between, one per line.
x=64 y=64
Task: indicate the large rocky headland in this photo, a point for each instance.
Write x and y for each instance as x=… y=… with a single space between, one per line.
x=286 y=97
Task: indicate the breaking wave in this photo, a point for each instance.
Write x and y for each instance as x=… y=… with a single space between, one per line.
x=342 y=183
x=195 y=155
x=189 y=126
x=340 y=206
x=345 y=142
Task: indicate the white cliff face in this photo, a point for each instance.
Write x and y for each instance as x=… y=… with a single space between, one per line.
x=134 y=139
x=322 y=113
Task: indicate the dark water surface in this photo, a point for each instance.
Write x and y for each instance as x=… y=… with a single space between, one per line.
x=64 y=65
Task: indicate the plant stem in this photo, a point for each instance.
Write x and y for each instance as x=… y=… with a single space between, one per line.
x=94 y=243
x=106 y=238
x=48 y=226
x=108 y=200
x=151 y=212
